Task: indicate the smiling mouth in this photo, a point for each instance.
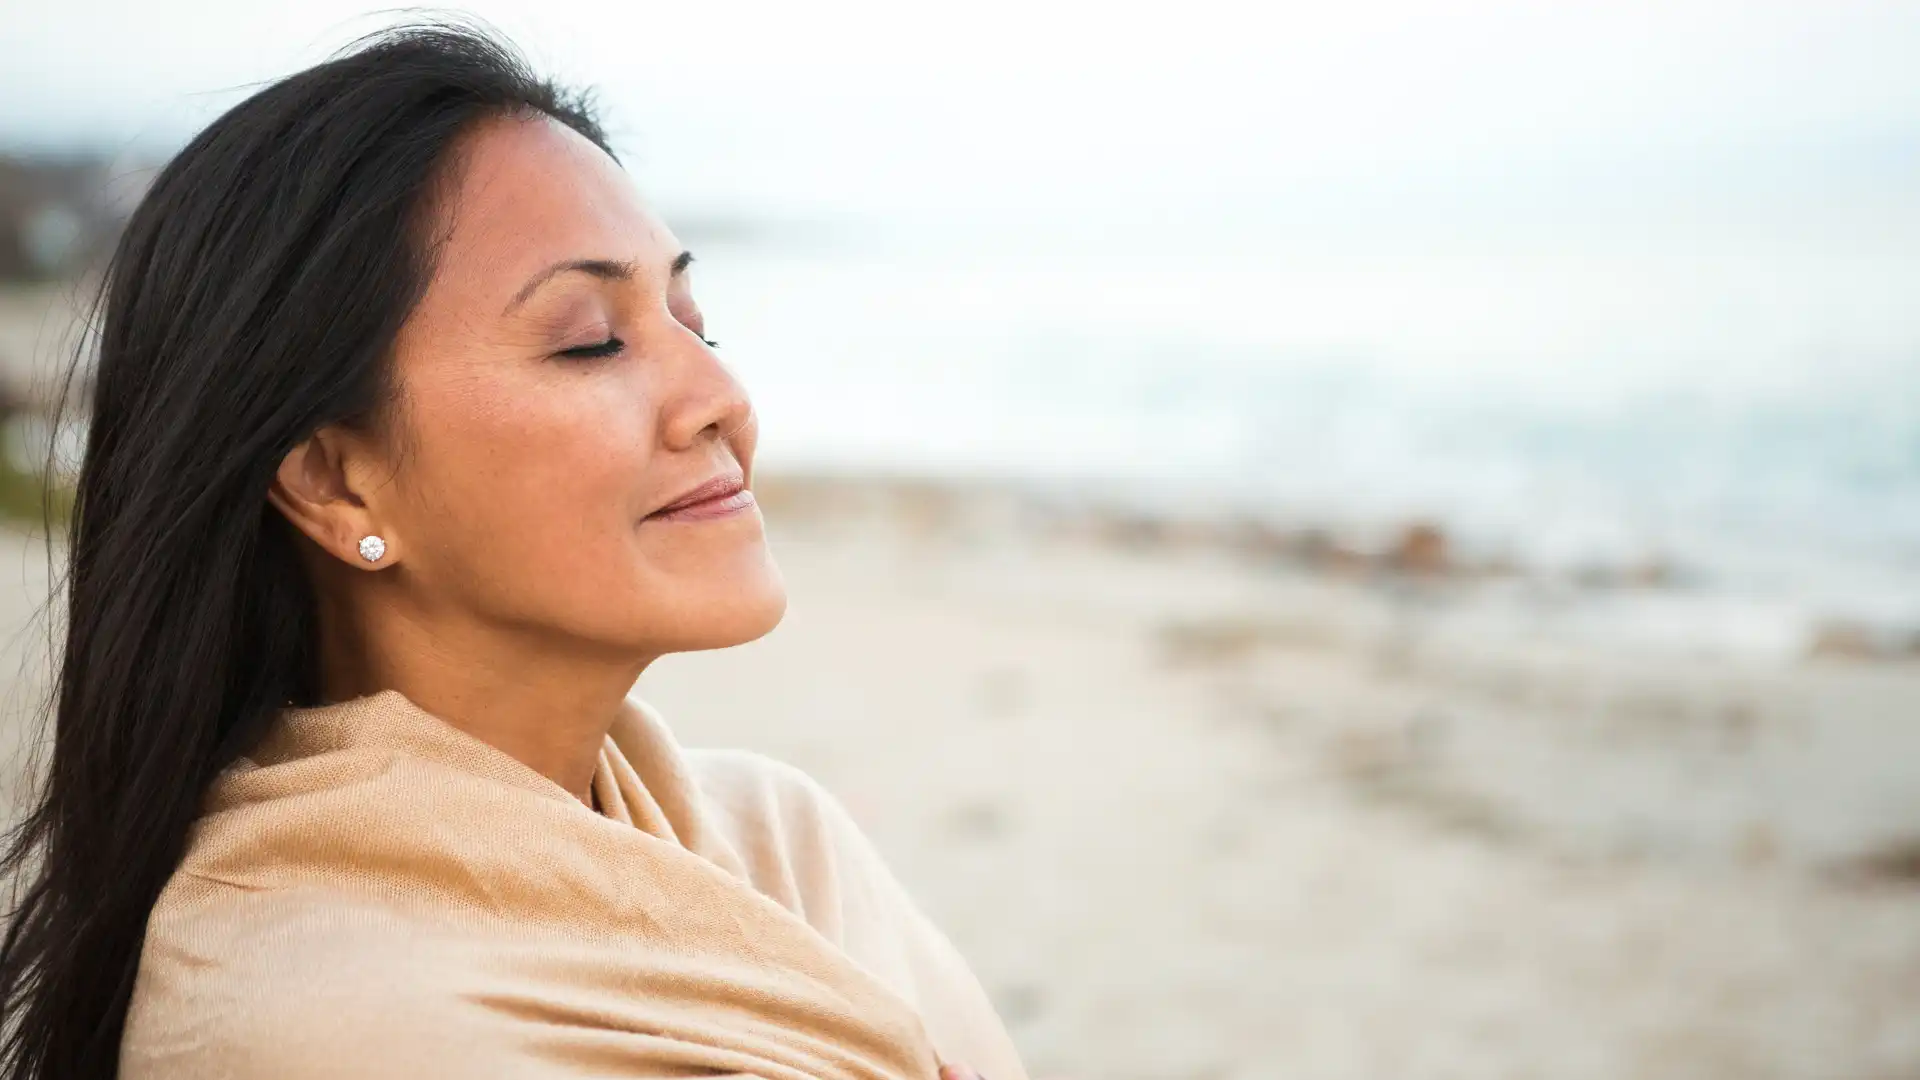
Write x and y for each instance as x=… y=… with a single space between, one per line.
x=720 y=497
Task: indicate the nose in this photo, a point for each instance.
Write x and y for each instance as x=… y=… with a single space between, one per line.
x=703 y=400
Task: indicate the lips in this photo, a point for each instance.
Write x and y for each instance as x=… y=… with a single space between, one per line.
x=718 y=497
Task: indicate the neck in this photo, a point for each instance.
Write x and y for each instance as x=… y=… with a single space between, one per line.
x=548 y=703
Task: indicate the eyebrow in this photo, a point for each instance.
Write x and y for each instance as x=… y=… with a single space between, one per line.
x=604 y=269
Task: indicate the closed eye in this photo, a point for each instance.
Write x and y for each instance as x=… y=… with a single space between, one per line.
x=610 y=347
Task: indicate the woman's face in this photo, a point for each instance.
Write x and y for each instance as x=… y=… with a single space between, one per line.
x=569 y=456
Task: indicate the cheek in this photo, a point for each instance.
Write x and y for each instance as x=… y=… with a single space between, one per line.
x=545 y=475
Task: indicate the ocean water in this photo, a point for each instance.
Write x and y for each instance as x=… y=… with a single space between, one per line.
x=1750 y=418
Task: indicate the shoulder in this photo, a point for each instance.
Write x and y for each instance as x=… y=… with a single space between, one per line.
x=760 y=818
x=798 y=844
x=755 y=789
x=805 y=850
x=801 y=848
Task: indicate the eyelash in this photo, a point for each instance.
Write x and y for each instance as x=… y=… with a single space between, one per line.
x=613 y=346
x=610 y=347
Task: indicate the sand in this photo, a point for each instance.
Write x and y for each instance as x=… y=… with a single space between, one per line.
x=1195 y=815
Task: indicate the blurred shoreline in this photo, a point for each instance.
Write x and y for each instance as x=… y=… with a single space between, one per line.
x=1583 y=673
x=1417 y=557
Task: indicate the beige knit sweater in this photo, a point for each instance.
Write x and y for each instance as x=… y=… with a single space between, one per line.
x=374 y=893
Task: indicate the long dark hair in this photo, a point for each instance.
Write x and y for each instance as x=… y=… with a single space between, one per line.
x=253 y=298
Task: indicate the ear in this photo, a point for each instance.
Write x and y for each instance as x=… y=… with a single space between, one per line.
x=317 y=488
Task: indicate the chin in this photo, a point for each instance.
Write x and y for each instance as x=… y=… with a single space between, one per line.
x=734 y=617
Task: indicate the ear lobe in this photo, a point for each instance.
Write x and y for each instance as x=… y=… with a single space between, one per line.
x=312 y=491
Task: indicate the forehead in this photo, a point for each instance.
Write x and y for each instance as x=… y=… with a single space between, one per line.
x=530 y=192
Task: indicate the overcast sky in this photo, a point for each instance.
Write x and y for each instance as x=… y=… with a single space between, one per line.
x=991 y=106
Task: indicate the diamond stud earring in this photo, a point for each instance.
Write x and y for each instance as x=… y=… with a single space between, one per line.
x=372 y=547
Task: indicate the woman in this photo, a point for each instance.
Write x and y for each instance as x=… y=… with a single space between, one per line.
x=407 y=455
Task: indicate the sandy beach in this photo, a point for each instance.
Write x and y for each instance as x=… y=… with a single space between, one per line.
x=1196 y=814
